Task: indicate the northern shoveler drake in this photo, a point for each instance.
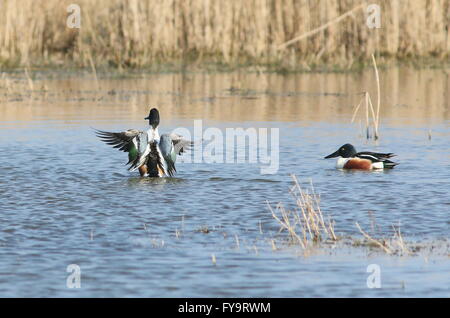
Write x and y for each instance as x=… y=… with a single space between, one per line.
x=350 y=159
x=152 y=155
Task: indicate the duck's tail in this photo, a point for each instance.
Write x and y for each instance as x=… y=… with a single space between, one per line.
x=388 y=164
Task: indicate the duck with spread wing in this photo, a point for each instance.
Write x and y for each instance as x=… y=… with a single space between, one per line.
x=153 y=155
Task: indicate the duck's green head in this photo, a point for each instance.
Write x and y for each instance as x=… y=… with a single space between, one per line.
x=153 y=118
x=345 y=151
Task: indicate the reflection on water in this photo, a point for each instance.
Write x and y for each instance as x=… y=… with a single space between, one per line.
x=155 y=183
x=407 y=96
x=66 y=198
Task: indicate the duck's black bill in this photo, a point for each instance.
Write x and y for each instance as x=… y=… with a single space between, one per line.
x=333 y=155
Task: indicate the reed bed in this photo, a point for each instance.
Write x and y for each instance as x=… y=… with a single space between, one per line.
x=288 y=33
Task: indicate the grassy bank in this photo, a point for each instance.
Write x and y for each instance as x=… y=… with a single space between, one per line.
x=221 y=34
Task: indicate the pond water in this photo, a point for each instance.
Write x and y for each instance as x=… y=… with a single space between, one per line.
x=67 y=198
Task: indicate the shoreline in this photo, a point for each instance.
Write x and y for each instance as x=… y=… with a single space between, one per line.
x=210 y=67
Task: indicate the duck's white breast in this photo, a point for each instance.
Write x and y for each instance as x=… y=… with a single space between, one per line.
x=340 y=162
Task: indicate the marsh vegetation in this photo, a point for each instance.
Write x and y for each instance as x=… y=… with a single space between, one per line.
x=272 y=35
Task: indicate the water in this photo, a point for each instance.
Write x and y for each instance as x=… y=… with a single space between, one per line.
x=66 y=198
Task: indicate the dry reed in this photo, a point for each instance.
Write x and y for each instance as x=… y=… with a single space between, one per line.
x=375 y=116
x=143 y=33
x=305 y=224
x=380 y=243
x=390 y=246
x=29 y=80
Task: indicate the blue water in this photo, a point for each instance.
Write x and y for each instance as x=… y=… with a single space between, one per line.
x=66 y=198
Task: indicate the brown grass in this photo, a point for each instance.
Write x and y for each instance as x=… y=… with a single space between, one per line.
x=394 y=245
x=140 y=33
x=306 y=223
x=307 y=227
x=369 y=106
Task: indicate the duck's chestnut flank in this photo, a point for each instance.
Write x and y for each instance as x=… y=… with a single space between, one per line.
x=360 y=164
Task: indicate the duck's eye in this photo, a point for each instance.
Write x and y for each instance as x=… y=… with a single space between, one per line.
x=342 y=149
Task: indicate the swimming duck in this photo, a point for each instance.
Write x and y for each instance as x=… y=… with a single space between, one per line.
x=350 y=159
x=151 y=154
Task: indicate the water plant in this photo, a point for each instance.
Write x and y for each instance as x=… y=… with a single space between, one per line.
x=308 y=227
x=305 y=223
x=367 y=101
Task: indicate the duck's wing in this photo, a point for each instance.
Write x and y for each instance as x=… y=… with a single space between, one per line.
x=121 y=140
x=378 y=157
x=133 y=141
x=168 y=153
x=374 y=156
x=180 y=144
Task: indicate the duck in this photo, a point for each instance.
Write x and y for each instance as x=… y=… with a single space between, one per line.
x=148 y=152
x=349 y=158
